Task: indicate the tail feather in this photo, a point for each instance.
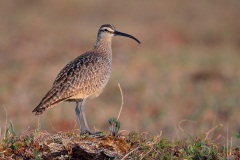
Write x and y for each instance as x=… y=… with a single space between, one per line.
x=50 y=100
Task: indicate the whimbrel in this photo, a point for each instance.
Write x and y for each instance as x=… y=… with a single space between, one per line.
x=84 y=77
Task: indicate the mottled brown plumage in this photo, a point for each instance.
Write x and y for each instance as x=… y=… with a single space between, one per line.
x=86 y=76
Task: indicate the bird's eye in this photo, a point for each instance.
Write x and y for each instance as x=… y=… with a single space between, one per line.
x=106 y=30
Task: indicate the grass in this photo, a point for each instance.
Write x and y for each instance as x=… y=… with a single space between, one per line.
x=185 y=68
x=70 y=145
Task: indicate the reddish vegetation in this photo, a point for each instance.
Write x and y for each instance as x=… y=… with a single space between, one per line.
x=40 y=145
x=64 y=145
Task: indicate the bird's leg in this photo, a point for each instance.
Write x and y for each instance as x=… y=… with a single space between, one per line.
x=84 y=117
x=79 y=117
x=85 y=120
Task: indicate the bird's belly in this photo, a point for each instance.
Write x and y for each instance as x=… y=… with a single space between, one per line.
x=92 y=87
x=88 y=95
x=96 y=89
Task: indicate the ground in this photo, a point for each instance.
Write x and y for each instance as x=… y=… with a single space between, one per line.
x=71 y=145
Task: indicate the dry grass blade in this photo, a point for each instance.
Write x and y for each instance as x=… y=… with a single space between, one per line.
x=227 y=140
x=130 y=153
x=53 y=127
x=211 y=130
x=182 y=121
x=122 y=101
x=6 y=123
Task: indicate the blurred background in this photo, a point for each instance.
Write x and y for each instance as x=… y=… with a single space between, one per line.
x=184 y=79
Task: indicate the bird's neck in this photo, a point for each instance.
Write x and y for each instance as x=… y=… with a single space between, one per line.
x=103 y=45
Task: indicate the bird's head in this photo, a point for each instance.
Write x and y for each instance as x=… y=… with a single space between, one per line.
x=108 y=31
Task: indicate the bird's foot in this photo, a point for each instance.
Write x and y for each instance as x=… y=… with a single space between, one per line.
x=84 y=131
x=89 y=132
x=97 y=134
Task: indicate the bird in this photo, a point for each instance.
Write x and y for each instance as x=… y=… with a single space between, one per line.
x=85 y=77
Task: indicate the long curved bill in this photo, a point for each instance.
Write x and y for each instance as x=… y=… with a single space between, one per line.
x=117 y=33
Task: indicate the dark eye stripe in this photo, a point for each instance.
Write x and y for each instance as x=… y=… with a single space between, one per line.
x=105 y=30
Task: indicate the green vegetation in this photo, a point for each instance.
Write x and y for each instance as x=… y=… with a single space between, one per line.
x=41 y=145
x=114 y=126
